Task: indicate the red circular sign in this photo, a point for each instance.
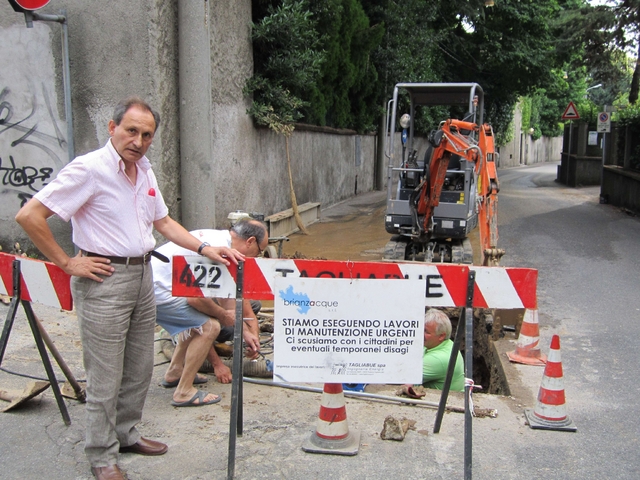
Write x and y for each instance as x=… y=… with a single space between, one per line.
x=32 y=4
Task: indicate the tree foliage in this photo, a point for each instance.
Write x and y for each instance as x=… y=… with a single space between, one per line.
x=600 y=38
x=287 y=62
x=345 y=94
x=335 y=62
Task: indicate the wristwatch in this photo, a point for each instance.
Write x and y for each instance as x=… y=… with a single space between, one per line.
x=201 y=247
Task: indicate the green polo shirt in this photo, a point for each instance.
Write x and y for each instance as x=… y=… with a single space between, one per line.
x=434 y=367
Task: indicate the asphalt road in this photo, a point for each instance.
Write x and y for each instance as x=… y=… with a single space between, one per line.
x=587 y=255
x=588 y=258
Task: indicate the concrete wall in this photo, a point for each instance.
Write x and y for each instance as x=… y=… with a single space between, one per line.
x=117 y=50
x=32 y=125
x=523 y=150
x=511 y=154
x=581 y=163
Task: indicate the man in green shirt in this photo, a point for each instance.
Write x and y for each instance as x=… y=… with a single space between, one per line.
x=437 y=352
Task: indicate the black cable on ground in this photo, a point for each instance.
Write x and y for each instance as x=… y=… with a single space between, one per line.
x=33 y=377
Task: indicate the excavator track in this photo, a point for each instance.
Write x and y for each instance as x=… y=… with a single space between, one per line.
x=395 y=249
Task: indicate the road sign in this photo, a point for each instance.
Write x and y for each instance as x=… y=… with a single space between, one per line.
x=570 y=113
x=31 y=4
x=604 y=122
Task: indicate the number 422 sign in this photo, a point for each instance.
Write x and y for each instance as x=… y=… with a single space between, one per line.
x=196 y=276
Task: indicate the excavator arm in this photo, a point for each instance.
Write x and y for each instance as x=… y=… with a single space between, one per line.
x=456 y=137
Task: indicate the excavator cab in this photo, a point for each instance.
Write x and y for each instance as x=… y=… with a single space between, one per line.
x=433 y=200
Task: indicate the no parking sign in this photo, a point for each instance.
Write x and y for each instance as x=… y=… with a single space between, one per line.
x=604 y=122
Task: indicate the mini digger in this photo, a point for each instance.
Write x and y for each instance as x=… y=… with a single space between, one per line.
x=440 y=190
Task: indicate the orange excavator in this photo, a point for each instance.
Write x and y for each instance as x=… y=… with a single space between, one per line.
x=434 y=204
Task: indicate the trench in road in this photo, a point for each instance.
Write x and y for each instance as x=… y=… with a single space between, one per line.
x=355 y=231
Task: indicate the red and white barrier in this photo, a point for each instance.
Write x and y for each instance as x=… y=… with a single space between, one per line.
x=41 y=282
x=445 y=284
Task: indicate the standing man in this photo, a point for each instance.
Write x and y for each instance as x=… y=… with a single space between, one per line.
x=195 y=323
x=112 y=198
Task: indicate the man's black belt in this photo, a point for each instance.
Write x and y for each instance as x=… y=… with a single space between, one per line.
x=146 y=258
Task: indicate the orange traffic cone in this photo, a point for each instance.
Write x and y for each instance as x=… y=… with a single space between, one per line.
x=550 y=413
x=332 y=434
x=528 y=349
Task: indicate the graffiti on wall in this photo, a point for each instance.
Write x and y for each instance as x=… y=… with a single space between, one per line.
x=29 y=152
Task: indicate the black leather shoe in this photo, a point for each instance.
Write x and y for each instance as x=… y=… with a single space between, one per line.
x=112 y=472
x=144 y=446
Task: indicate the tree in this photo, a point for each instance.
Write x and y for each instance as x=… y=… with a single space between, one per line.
x=344 y=96
x=627 y=34
x=604 y=34
x=287 y=64
x=408 y=52
x=508 y=49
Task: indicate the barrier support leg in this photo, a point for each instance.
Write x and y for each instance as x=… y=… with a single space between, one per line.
x=235 y=423
x=460 y=331
x=46 y=362
x=8 y=324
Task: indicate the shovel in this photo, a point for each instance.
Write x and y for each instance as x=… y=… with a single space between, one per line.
x=18 y=398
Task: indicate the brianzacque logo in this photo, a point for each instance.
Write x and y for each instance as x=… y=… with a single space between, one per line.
x=302 y=300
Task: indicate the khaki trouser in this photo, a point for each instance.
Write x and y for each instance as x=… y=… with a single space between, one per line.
x=117 y=320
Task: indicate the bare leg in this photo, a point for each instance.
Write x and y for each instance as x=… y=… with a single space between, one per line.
x=196 y=352
x=174 y=372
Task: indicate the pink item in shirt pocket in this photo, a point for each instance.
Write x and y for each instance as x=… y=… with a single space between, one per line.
x=152 y=192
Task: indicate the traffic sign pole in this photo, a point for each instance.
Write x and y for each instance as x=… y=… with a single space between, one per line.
x=570 y=133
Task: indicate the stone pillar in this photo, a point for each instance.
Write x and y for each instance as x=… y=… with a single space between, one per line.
x=196 y=137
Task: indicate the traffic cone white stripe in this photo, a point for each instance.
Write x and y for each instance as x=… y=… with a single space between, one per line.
x=551 y=412
x=332 y=430
x=529 y=342
x=552 y=384
x=554 y=356
x=333 y=400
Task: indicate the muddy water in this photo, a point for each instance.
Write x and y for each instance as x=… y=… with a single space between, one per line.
x=353 y=230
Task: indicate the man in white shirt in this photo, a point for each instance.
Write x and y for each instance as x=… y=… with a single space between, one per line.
x=195 y=323
x=112 y=198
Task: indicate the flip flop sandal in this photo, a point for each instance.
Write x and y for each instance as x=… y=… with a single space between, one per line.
x=196 y=381
x=199 y=395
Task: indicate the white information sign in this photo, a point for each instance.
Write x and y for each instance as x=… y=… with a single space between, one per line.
x=335 y=330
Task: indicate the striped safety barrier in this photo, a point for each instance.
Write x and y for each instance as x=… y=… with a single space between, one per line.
x=445 y=284
x=40 y=282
